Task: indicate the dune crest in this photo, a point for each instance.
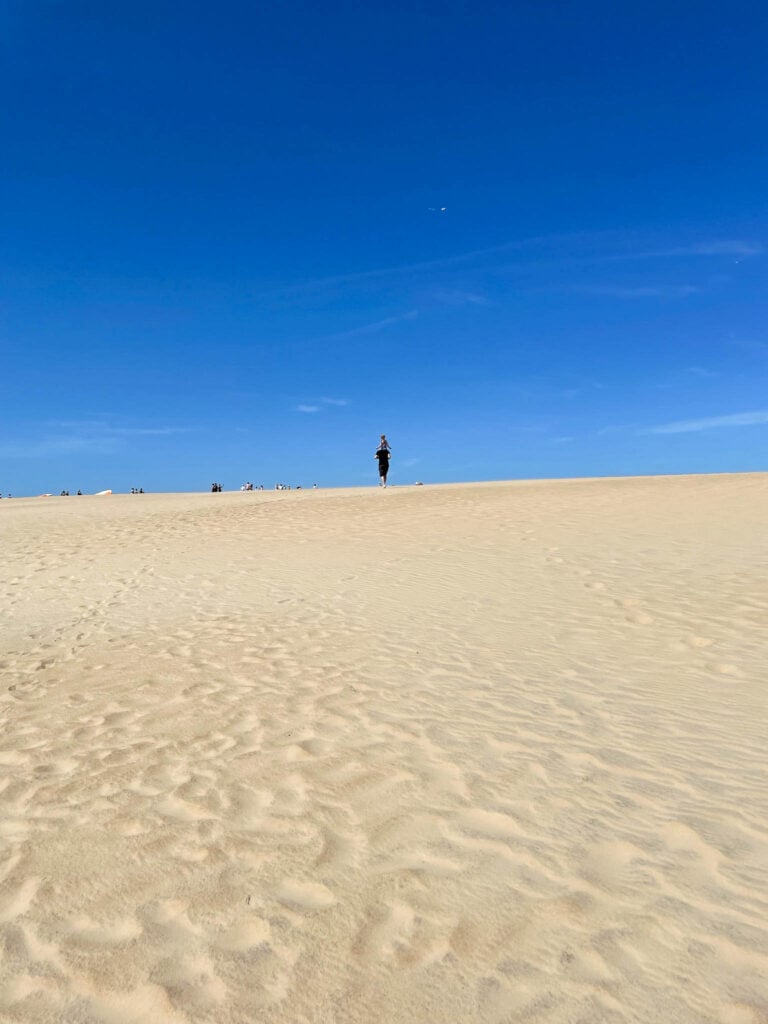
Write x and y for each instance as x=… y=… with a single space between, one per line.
x=477 y=753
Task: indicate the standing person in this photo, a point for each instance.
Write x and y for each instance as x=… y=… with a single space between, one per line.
x=382 y=454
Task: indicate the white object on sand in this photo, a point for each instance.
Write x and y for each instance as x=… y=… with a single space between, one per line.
x=103 y=492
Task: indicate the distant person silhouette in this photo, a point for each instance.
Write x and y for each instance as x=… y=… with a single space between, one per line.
x=382 y=454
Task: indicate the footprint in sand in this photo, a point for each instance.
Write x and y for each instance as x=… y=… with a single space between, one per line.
x=244 y=935
x=23 y=944
x=180 y=810
x=167 y=921
x=610 y=864
x=304 y=896
x=740 y=1013
x=13 y=758
x=20 y=901
x=389 y=935
x=341 y=849
x=422 y=862
x=639 y=618
x=489 y=824
x=83 y=931
x=725 y=669
x=682 y=839
x=191 y=983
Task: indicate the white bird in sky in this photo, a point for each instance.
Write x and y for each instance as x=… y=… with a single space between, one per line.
x=438 y=209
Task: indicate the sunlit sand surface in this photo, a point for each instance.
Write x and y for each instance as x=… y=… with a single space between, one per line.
x=479 y=753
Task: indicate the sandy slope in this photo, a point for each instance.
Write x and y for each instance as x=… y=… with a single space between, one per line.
x=489 y=753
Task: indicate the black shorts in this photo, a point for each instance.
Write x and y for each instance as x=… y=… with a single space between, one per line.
x=383 y=467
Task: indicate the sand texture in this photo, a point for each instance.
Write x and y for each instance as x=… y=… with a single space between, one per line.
x=481 y=753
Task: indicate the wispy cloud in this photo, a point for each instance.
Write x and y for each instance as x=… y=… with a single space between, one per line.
x=457 y=297
x=52 y=447
x=146 y=431
x=541 y=250
x=723 y=248
x=378 y=325
x=99 y=427
x=642 y=292
x=542 y=388
x=739 y=419
x=321 y=404
x=615 y=428
x=440 y=263
x=79 y=437
x=737 y=250
x=700 y=371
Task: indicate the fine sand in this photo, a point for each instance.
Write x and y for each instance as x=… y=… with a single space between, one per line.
x=479 y=753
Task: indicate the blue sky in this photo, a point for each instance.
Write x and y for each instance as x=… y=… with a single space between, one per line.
x=223 y=254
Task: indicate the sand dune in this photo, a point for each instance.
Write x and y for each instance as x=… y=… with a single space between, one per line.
x=479 y=753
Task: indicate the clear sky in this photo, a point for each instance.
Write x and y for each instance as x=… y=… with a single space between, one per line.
x=223 y=253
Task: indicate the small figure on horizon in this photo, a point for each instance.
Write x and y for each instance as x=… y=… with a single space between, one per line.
x=382 y=454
